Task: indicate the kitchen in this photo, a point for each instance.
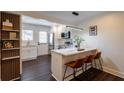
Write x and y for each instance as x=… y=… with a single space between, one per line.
x=58 y=37
x=62 y=46
x=48 y=46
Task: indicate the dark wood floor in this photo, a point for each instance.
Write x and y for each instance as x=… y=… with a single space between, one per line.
x=39 y=70
x=96 y=75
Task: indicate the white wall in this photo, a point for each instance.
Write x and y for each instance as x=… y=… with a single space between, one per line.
x=42 y=48
x=75 y=32
x=110 y=40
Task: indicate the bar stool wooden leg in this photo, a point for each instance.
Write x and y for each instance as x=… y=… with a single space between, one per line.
x=82 y=69
x=65 y=72
x=91 y=64
x=74 y=73
x=95 y=63
x=100 y=64
x=75 y=69
x=85 y=66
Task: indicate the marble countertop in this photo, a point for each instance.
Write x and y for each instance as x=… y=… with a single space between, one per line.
x=70 y=51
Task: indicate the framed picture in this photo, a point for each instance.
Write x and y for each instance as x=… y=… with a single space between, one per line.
x=93 y=30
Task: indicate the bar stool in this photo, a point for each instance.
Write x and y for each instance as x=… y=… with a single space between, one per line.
x=89 y=60
x=98 y=57
x=74 y=65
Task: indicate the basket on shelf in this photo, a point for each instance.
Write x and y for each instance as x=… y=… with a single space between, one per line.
x=7 y=25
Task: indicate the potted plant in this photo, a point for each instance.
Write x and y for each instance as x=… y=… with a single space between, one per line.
x=78 y=40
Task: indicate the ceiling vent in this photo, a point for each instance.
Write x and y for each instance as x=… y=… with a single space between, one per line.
x=75 y=13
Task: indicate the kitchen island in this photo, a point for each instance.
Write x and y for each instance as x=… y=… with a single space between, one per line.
x=62 y=56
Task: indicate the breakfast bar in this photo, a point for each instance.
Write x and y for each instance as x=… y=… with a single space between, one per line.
x=62 y=56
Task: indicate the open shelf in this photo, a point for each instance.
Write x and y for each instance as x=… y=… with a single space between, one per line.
x=10 y=39
x=10 y=48
x=8 y=58
x=10 y=30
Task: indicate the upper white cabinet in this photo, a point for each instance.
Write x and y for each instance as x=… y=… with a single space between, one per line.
x=58 y=29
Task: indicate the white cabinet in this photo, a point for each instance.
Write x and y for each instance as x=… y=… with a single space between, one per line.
x=29 y=53
x=43 y=49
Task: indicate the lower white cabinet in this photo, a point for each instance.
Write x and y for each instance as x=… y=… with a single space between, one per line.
x=29 y=53
x=43 y=49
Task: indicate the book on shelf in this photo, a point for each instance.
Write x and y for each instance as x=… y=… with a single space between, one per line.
x=12 y=36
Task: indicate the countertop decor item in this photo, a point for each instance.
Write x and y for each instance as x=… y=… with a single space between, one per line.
x=78 y=40
x=81 y=49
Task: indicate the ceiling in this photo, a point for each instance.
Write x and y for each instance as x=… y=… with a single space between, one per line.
x=31 y=20
x=63 y=17
x=67 y=16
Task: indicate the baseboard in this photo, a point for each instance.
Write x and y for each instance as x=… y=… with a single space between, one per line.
x=114 y=72
x=43 y=55
x=55 y=78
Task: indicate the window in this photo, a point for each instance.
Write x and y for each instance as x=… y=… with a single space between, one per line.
x=43 y=37
x=27 y=35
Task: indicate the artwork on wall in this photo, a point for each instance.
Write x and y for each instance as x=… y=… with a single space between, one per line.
x=93 y=30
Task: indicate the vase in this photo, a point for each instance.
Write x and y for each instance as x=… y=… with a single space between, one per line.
x=78 y=47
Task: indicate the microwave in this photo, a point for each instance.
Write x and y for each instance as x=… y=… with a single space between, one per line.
x=66 y=35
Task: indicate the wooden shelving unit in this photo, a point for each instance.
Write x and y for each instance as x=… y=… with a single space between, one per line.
x=10 y=56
